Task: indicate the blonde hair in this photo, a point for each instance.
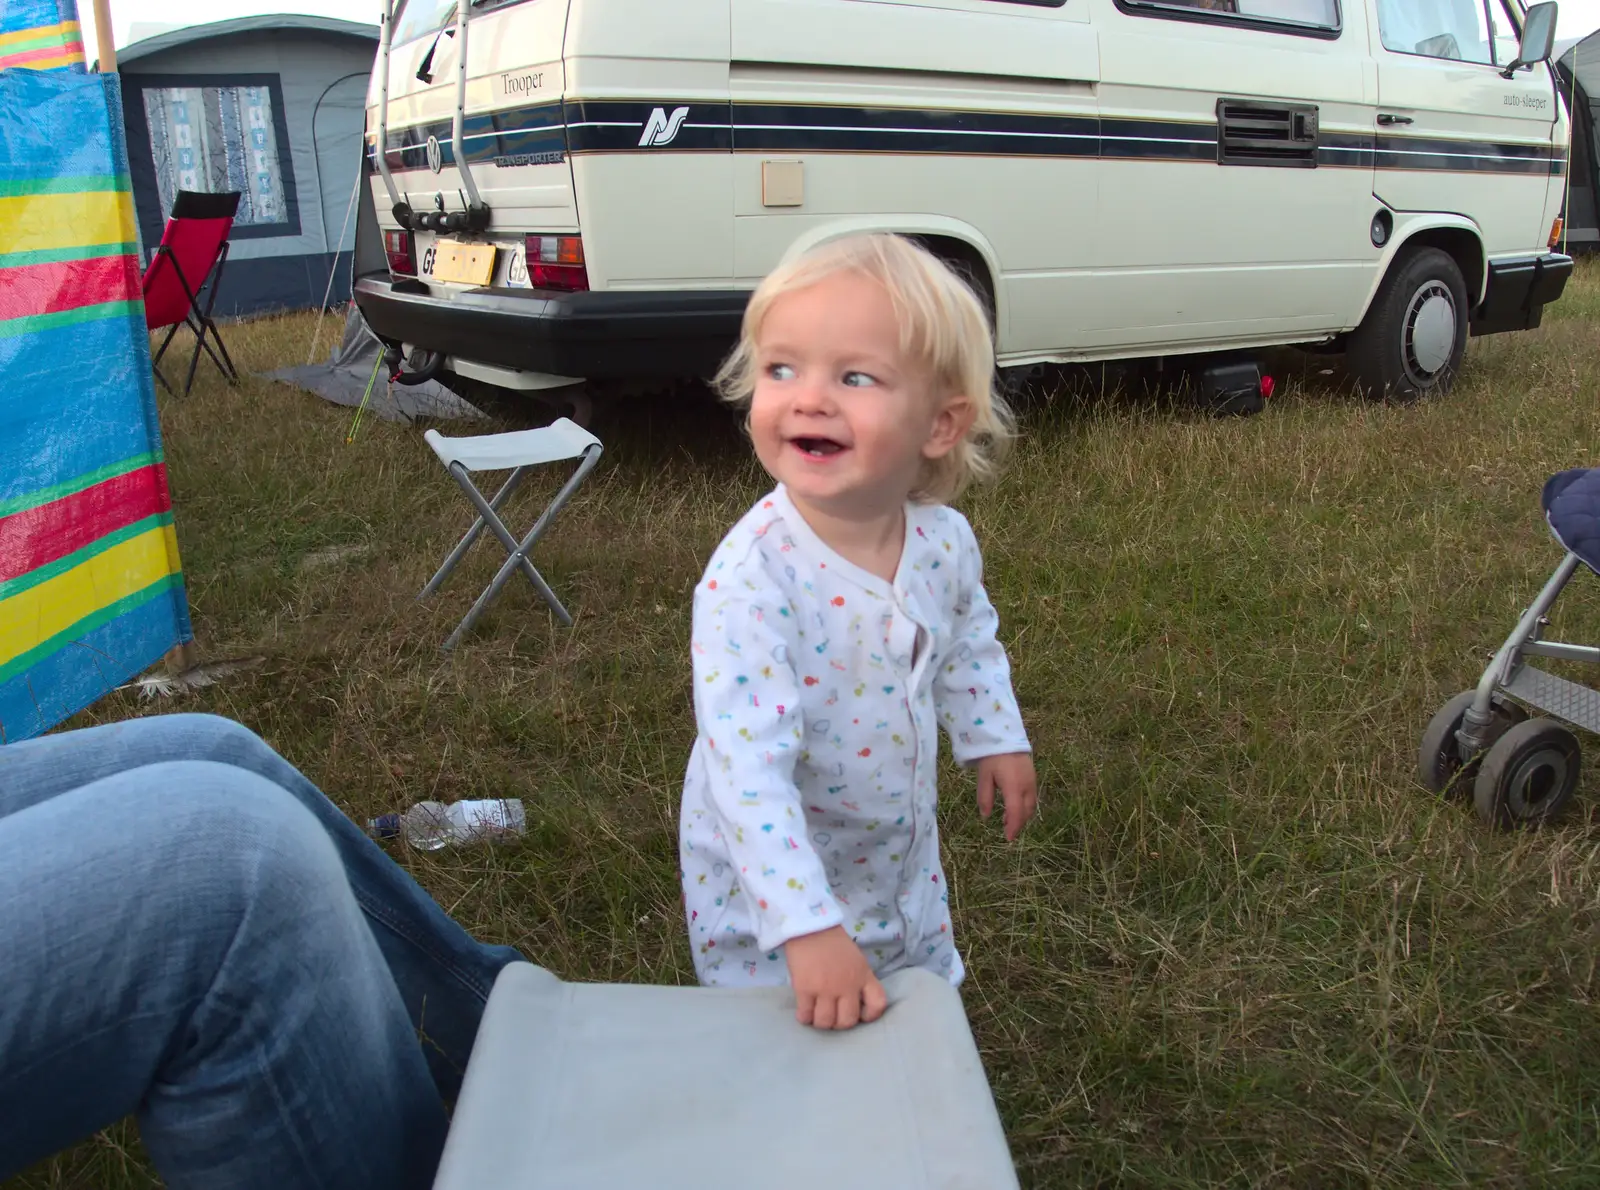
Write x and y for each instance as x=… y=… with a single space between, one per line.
x=943 y=327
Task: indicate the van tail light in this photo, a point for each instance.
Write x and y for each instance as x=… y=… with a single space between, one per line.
x=397 y=247
x=1555 y=232
x=556 y=262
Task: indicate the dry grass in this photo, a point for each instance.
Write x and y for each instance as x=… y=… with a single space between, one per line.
x=1240 y=948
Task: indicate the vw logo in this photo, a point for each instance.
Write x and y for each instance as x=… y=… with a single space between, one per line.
x=435 y=157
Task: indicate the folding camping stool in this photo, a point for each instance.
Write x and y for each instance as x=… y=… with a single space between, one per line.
x=517 y=452
x=187 y=262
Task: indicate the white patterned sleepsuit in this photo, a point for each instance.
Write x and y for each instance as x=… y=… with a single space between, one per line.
x=818 y=691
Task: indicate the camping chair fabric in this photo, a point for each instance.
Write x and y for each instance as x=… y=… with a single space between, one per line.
x=517 y=451
x=189 y=260
x=592 y=1086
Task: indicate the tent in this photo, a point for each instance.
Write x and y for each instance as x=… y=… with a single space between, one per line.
x=274 y=107
x=1579 y=71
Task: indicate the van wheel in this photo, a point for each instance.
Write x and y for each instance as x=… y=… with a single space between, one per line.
x=965 y=263
x=1410 y=344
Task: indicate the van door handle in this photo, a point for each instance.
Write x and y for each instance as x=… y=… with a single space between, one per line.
x=1389 y=118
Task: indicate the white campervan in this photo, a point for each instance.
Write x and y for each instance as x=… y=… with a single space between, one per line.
x=589 y=189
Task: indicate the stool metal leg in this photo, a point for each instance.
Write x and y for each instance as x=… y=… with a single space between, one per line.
x=473 y=533
x=494 y=588
x=519 y=550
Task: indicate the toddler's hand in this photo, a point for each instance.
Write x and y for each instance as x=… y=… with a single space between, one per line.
x=1013 y=773
x=833 y=984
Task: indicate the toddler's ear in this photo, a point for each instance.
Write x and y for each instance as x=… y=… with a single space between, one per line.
x=950 y=426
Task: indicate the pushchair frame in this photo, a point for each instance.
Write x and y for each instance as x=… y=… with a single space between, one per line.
x=1523 y=769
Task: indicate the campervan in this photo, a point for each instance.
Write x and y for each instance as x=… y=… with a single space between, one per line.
x=589 y=189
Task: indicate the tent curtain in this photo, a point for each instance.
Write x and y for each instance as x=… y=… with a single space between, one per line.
x=1578 y=72
x=215 y=139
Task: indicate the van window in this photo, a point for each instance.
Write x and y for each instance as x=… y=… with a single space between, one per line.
x=1319 y=16
x=419 y=17
x=1503 y=34
x=1452 y=29
x=1299 y=12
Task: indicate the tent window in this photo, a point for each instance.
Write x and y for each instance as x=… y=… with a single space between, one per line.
x=214 y=139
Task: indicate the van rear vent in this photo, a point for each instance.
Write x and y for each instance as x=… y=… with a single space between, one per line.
x=1266 y=134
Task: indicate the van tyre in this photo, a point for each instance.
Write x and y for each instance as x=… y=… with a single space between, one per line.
x=1410 y=344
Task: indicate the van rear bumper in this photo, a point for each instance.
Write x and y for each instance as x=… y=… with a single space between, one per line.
x=1518 y=291
x=616 y=335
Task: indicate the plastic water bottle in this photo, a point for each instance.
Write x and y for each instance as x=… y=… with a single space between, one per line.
x=432 y=825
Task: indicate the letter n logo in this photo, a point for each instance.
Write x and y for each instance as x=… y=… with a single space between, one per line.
x=662 y=129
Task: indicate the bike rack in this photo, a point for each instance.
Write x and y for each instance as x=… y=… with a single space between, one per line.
x=402 y=209
x=476 y=217
x=477 y=214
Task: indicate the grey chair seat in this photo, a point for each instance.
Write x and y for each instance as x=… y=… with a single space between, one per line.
x=613 y=1086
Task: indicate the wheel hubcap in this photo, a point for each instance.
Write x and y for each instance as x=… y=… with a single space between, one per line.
x=1430 y=333
x=1536 y=780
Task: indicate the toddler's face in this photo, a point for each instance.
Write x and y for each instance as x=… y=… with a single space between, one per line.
x=839 y=415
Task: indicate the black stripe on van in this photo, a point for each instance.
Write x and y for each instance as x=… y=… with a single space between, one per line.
x=542 y=132
x=1345 y=150
x=1463 y=156
x=1124 y=138
x=774 y=127
x=536 y=130
x=608 y=126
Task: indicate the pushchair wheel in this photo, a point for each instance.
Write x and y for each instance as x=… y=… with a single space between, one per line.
x=1528 y=776
x=1439 y=761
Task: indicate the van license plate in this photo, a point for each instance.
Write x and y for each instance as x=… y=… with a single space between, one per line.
x=516 y=269
x=463 y=264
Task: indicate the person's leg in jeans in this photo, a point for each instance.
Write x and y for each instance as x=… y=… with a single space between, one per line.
x=443 y=974
x=180 y=942
x=185 y=939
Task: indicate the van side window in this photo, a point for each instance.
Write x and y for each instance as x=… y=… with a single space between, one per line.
x=1318 y=18
x=1503 y=34
x=1453 y=29
x=482 y=6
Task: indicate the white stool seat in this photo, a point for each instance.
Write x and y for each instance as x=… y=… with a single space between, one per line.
x=561 y=439
x=578 y=1086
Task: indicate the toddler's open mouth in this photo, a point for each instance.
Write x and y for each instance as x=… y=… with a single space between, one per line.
x=818 y=448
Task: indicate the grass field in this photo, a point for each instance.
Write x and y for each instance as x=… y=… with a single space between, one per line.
x=1240 y=947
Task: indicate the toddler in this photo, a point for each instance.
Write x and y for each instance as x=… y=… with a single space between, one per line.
x=837 y=626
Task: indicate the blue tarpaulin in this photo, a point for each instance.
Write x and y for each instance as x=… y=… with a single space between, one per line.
x=91 y=590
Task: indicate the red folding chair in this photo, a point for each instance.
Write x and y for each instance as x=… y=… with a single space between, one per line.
x=187 y=262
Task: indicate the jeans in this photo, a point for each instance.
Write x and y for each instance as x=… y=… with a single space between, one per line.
x=190 y=932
